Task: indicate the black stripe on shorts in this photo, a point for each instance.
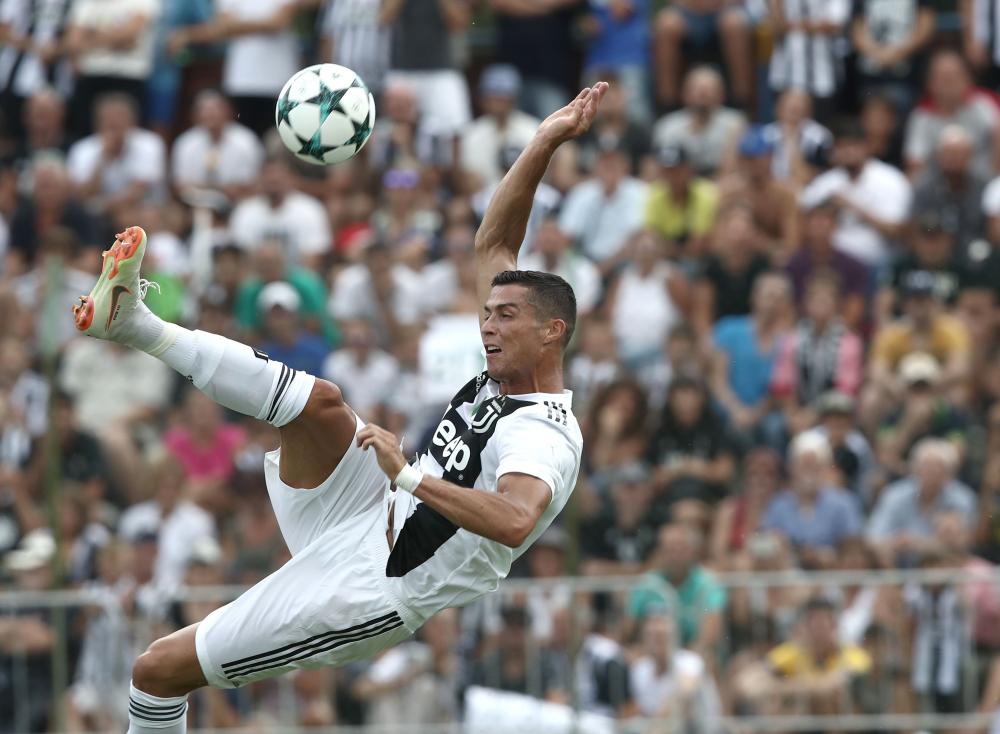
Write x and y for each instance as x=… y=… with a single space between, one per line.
x=310 y=646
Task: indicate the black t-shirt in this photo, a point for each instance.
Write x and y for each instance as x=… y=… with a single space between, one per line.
x=732 y=289
x=949 y=279
x=601 y=538
x=890 y=22
x=420 y=39
x=708 y=439
x=540 y=47
x=24 y=235
x=981 y=266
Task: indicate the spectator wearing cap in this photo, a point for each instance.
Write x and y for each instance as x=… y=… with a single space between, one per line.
x=801 y=145
x=618 y=37
x=552 y=252
x=811 y=673
x=602 y=212
x=953 y=100
x=365 y=373
x=806 y=55
x=681 y=206
x=691 y=443
x=424 y=57
x=853 y=458
x=681 y=587
x=901 y=525
x=923 y=327
x=501 y=125
x=923 y=412
x=813 y=514
x=121 y=164
x=645 y=301
x=270 y=265
x=705 y=26
x=724 y=279
x=217 y=152
x=284 y=337
x=706 y=129
x=873 y=198
x=745 y=348
x=279 y=212
x=952 y=188
x=933 y=252
x=820 y=354
x=818 y=255
x=620 y=536
x=774 y=203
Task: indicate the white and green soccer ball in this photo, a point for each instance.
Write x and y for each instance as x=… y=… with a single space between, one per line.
x=325 y=114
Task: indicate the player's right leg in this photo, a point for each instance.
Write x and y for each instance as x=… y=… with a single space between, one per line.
x=317 y=426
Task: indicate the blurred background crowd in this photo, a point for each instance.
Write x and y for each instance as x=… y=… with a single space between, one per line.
x=784 y=235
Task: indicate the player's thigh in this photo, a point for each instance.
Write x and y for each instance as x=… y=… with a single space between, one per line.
x=326 y=606
x=313 y=444
x=356 y=485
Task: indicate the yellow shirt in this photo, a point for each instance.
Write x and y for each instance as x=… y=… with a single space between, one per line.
x=791 y=660
x=893 y=342
x=675 y=222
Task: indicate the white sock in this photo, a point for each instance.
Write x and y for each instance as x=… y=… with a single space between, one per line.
x=148 y=714
x=232 y=374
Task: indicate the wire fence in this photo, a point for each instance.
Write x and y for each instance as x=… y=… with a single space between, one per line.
x=562 y=654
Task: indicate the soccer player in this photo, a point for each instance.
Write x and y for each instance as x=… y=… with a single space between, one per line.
x=378 y=546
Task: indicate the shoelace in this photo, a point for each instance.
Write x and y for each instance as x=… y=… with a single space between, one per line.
x=145 y=285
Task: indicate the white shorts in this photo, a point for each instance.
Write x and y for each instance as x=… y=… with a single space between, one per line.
x=329 y=605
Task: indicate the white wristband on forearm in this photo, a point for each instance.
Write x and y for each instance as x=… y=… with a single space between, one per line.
x=408 y=479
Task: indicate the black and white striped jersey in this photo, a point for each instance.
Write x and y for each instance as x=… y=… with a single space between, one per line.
x=482 y=436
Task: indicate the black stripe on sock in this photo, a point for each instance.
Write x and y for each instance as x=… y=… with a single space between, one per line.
x=286 y=375
x=136 y=713
x=308 y=641
x=326 y=645
x=157 y=709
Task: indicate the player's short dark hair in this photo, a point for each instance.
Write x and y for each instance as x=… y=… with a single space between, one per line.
x=551 y=296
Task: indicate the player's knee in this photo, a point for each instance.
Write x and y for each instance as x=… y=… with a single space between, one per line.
x=158 y=671
x=669 y=25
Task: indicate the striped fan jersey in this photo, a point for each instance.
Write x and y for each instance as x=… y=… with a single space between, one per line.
x=482 y=436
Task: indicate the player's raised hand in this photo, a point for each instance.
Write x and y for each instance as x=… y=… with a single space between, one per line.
x=575 y=118
x=386 y=445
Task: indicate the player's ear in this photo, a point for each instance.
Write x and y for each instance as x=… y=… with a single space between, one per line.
x=555 y=331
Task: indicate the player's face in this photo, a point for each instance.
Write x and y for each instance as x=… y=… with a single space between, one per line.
x=512 y=335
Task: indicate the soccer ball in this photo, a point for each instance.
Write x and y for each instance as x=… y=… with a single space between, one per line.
x=325 y=114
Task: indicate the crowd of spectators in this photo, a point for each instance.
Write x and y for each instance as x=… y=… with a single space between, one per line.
x=783 y=231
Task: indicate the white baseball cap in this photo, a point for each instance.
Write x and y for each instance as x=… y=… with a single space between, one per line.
x=280 y=294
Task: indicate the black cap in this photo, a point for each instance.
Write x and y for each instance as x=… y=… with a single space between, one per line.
x=917 y=283
x=671 y=156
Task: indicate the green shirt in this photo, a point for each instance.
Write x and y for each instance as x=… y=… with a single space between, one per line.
x=700 y=594
x=311 y=290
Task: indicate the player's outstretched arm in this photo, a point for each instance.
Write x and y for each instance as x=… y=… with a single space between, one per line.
x=502 y=231
x=506 y=516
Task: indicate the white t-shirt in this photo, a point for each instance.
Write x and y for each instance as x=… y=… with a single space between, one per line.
x=602 y=224
x=482 y=436
x=258 y=65
x=643 y=313
x=576 y=270
x=881 y=189
x=652 y=690
x=143 y=160
x=365 y=386
x=299 y=221
x=45 y=20
x=483 y=140
x=198 y=160
x=135 y=62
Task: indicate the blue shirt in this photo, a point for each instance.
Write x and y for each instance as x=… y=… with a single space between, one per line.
x=833 y=517
x=899 y=510
x=307 y=354
x=619 y=43
x=749 y=369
